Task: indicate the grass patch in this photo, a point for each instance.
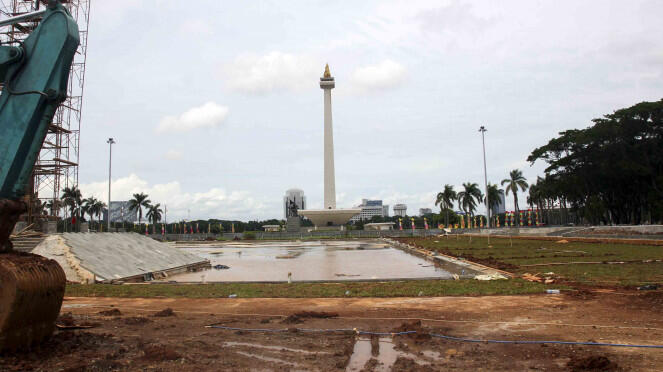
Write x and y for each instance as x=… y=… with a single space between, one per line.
x=523 y=252
x=428 y=288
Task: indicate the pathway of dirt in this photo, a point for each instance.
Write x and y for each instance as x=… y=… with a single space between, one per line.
x=132 y=336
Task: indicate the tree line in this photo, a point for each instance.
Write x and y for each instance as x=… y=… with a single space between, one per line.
x=610 y=172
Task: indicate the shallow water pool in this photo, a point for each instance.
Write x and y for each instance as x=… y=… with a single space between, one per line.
x=307 y=261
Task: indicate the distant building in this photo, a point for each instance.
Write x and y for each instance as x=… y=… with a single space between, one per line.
x=295 y=195
x=379 y=226
x=370 y=209
x=119 y=212
x=425 y=211
x=400 y=210
x=500 y=208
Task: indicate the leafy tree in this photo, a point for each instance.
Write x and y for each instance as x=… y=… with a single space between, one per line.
x=469 y=197
x=137 y=204
x=515 y=181
x=612 y=171
x=154 y=214
x=446 y=199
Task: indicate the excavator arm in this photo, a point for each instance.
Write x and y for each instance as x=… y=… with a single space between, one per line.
x=34 y=75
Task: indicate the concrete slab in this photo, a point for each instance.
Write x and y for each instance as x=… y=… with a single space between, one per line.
x=121 y=256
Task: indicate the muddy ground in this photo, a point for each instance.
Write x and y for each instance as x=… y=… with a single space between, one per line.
x=170 y=334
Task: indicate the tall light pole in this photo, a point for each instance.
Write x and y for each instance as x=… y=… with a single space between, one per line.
x=485 y=173
x=110 y=143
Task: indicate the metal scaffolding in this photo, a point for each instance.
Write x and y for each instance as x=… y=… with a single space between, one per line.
x=57 y=165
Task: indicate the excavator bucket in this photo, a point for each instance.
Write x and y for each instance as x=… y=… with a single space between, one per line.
x=31 y=292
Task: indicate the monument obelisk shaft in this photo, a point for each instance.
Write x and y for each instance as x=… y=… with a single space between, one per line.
x=327 y=84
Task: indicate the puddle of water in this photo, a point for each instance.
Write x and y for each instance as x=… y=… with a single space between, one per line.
x=434 y=355
x=270 y=347
x=387 y=355
x=360 y=355
x=74 y=306
x=337 y=260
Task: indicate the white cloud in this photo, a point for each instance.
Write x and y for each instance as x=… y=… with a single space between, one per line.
x=173 y=155
x=213 y=203
x=384 y=75
x=208 y=115
x=196 y=28
x=251 y=73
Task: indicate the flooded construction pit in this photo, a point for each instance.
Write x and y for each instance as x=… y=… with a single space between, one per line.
x=308 y=261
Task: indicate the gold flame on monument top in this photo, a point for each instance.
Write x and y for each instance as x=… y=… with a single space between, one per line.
x=327 y=74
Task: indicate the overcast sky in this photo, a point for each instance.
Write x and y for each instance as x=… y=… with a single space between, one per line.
x=216 y=108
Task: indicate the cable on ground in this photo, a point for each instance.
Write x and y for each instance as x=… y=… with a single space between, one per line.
x=451 y=338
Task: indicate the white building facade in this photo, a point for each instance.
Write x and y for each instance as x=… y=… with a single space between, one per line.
x=400 y=210
x=370 y=209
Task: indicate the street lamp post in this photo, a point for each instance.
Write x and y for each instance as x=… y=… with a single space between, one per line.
x=110 y=143
x=485 y=173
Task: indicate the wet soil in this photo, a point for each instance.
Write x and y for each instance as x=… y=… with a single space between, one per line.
x=136 y=340
x=300 y=316
x=592 y=363
x=165 y=312
x=111 y=312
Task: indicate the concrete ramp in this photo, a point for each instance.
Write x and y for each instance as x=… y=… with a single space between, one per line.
x=117 y=256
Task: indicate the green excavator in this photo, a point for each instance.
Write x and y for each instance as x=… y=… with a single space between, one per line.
x=34 y=76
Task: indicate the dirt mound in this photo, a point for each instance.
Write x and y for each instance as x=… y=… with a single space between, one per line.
x=160 y=352
x=408 y=365
x=165 y=312
x=300 y=316
x=111 y=312
x=136 y=320
x=592 y=363
x=421 y=334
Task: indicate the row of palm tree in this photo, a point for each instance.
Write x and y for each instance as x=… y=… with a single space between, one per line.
x=72 y=201
x=140 y=201
x=471 y=196
x=93 y=207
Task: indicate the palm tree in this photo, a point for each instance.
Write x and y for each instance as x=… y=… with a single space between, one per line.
x=446 y=200
x=154 y=214
x=137 y=203
x=72 y=198
x=494 y=196
x=469 y=197
x=42 y=207
x=94 y=207
x=52 y=206
x=88 y=206
x=514 y=181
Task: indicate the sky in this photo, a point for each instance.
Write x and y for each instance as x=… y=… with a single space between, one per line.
x=217 y=111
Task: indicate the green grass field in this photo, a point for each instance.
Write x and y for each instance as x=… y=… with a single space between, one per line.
x=410 y=288
x=561 y=259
